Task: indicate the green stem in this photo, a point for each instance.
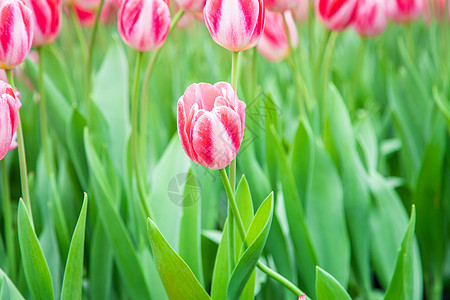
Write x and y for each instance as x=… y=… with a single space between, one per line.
x=325 y=76
x=234 y=73
x=78 y=32
x=356 y=72
x=148 y=72
x=43 y=113
x=311 y=32
x=319 y=62
x=271 y=273
x=231 y=240
x=410 y=40
x=9 y=231
x=22 y=156
x=91 y=53
x=135 y=141
x=298 y=80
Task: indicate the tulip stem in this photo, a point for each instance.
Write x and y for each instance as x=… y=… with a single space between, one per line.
x=91 y=54
x=234 y=73
x=359 y=63
x=22 y=155
x=9 y=231
x=148 y=72
x=325 y=76
x=78 y=32
x=134 y=139
x=235 y=211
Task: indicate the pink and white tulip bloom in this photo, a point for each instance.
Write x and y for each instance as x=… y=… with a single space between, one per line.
x=236 y=25
x=300 y=11
x=211 y=123
x=47 y=20
x=9 y=117
x=336 y=15
x=371 y=19
x=274 y=44
x=405 y=11
x=280 y=5
x=194 y=6
x=144 y=24
x=16 y=33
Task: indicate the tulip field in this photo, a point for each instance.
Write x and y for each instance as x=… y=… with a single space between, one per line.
x=225 y=149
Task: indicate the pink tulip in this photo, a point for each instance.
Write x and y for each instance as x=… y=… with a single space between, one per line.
x=436 y=9
x=371 y=19
x=280 y=5
x=405 y=11
x=86 y=16
x=274 y=45
x=192 y=5
x=47 y=20
x=300 y=11
x=9 y=117
x=235 y=24
x=144 y=24
x=336 y=15
x=88 y=4
x=211 y=123
x=16 y=33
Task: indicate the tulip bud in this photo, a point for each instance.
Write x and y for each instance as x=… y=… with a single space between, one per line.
x=194 y=6
x=235 y=24
x=16 y=33
x=9 y=117
x=371 y=19
x=211 y=123
x=280 y=5
x=144 y=24
x=405 y=11
x=274 y=44
x=336 y=15
x=47 y=20
x=300 y=11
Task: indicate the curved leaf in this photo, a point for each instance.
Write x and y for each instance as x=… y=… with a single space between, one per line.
x=328 y=288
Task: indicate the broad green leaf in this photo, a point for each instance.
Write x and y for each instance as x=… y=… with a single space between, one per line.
x=443 y=104
x=179 y=281
x=401 y=286
x=256 y=240
x=356 y=193
x=73 y=273
x=305 y=254
x=190 y=226
x=35 y=266
x=8 y=288
x=328 y=288
x=221 y=273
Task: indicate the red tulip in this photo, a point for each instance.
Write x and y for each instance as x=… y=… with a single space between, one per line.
x=47 y=20
x=337 y=15
x=9 y=117
x=211 y=123
x=371 y=19
x=405 y=11
x=16 y=33
x=235 y=24
x=192 y=5
x=280 y=5
x=274 y=44
x=144 y=24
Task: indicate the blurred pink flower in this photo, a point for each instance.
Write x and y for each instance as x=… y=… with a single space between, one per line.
x=336 y=15
x=371 y=19
x=47 y=20
x=405 y=11
x=300 y=11
x=9 y=117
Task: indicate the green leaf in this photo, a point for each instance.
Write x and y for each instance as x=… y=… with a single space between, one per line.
x=73 y=273
x=220 y=273
x=35 y=266
x=190 y=226
x=443 y=104
x=179 y=281
x=270 y=119
x=402 y=285
x=328 y=288
x=8 y=288
x=256 y=240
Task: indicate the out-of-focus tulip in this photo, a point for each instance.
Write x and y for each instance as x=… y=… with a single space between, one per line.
x=274 y=44
x=16 y=32
x=211 y=123
x=300 y=11
x=89 y=4
x=9 y=118
x=336 y=15
x=436 y=9
x=47 y=20
x=144 y=24
x=405 y=11
x=86 y=16
x=235 y=24
x=280 y=5
x=371 y=19
x=192 y=5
